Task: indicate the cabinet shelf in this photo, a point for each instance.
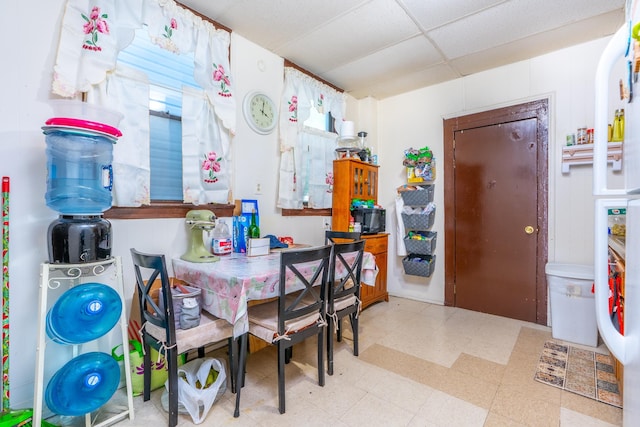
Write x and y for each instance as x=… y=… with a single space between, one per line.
x=582 y=154
x=355 y=179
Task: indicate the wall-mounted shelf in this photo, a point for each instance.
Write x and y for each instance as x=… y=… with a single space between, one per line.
x=582 y=154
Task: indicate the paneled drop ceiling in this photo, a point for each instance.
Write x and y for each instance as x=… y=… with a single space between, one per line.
x=380 y=48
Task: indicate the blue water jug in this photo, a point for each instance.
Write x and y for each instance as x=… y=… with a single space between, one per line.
x=83 y=384
x=83 y=313
x=80 y=176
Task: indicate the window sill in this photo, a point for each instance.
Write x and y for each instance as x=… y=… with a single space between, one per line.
x=166 y=209
x=306 y=212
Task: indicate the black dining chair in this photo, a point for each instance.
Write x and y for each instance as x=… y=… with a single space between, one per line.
x=344 y=293
x=331 y=236
x=159 y=330
x=292 y=318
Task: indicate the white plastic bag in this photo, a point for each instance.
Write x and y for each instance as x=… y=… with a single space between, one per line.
x=195 y=397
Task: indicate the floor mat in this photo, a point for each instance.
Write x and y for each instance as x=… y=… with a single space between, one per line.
x=579 y=371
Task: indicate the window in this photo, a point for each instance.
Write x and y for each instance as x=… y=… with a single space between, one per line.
x=165 y=110
x=207 y=110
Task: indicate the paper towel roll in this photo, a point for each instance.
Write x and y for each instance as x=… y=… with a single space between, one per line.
x=348 y=130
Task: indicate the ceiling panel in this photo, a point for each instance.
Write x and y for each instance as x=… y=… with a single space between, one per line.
x=512 y=20
x=534 y=46
x=408 y=56
x=373 y=47
x=431 y=14
x=362 y=31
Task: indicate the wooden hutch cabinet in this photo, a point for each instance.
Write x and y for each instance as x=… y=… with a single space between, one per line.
x=354 y=179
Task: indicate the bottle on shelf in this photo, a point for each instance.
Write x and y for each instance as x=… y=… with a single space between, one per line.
x=618 y=126
x=254 y=230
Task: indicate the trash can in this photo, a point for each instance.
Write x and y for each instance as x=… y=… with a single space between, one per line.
x=572 y=301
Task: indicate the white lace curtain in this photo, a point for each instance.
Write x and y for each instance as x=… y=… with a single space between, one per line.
x=92 y=34
x=306 y=155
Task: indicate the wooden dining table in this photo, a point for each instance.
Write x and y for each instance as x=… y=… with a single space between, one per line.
x=229 y=284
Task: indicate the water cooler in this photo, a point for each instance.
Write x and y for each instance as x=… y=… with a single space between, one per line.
x=79 y=317
x=79 y=181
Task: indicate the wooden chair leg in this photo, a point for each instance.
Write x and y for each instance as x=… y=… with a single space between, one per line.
x=330 y=325
x=321 y=357
x=146 y=374
x=281 y=358
x=172 y=366
x=240 y=371
x=288 y=354
x=354 y=328
x=339 y=330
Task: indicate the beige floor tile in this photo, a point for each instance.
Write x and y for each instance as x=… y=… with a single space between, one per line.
x=589 y=407
x=471 y=389
x=372 y=411
x=403 y=392
x=496 y=420
x=523 y=409
x=420 y=365
x=479 y=368
x=569 y=418
x=444 y=410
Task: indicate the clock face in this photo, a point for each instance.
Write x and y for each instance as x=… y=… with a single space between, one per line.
x=260 y=112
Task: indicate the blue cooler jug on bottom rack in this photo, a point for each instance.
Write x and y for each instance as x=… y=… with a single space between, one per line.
x=80 y=176
x=83 y=384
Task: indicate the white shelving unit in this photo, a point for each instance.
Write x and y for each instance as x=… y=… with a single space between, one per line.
x=54 y=280
x=582 y=154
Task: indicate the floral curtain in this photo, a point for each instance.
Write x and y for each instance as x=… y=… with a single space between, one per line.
x=298 y=144
x=205 y=152
x=127 y=90
x=94 y=31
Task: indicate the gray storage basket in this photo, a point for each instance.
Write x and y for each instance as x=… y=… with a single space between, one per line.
x=418 y=221
x=422 y=267
x=420 y=197
x=178 y=299
x=421 y=247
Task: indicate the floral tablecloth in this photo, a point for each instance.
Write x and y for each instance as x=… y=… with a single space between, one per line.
x=230 y=283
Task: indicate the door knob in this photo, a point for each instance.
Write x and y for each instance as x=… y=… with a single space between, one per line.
x=529 y=229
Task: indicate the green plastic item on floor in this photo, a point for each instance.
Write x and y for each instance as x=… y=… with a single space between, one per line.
x=20 y=418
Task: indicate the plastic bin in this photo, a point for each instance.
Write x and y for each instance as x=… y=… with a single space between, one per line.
x=426 y=246
x=179 y=300
x=420 y=197
x=419 y=265
x=418 y=221
x=573 y=308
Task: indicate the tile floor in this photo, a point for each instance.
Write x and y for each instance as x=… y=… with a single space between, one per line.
x=420 y=365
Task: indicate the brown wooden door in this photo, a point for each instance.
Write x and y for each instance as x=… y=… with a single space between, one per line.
x=495 y=197
x=495 y=207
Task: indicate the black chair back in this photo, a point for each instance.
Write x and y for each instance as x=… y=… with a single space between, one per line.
x=149 y=310
x=313 y=296
x=350 y=283
x=331 y=236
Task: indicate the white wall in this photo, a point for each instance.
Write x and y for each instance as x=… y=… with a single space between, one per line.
x=415 y=119
x=25 y=85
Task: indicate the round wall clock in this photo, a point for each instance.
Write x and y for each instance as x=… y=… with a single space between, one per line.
x=260 y=112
